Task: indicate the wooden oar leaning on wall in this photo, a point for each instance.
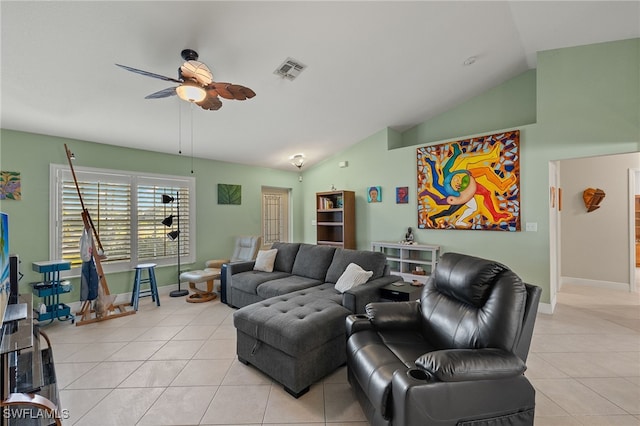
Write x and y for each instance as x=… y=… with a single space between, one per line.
x=110 y=310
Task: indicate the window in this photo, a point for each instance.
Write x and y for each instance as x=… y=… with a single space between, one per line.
x=127 y=211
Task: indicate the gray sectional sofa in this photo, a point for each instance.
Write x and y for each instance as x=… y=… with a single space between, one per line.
x=290 y=324
x=300 y=266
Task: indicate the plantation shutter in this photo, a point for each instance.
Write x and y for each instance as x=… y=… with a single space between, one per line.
x=153 y=242
x=108 y=202
x=127 y=211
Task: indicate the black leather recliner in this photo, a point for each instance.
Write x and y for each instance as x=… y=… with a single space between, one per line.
x=456 y=357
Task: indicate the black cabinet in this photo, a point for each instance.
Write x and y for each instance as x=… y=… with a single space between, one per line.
x=400 y=293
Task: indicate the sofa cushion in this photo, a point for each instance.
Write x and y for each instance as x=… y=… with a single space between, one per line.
x=353 y=276
x=313 y=261
x=286 y=256
x=285 y=285
x=249 y=281
x=265 y=260
x=367 y=260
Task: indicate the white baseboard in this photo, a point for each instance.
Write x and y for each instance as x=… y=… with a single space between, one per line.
x=546 y=308
x=125 y=298
x=594 y=283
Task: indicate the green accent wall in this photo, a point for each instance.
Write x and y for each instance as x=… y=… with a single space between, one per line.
x=216 y=225
x=588 y=103
x=511 y=104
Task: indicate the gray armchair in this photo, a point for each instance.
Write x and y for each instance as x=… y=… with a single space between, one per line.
x=456 y=357
x=245 y=249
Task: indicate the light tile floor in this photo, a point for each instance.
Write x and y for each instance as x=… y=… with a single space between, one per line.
x=175 y=365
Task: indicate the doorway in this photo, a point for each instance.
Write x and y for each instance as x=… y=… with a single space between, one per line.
x=276 y=215
x=571 y=258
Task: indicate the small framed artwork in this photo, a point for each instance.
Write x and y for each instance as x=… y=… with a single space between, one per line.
x=374 y=194
x=229 y=194
x=402 y=195
x=10 y=187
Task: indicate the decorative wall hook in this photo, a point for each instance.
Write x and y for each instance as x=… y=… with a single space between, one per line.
x=592 y=198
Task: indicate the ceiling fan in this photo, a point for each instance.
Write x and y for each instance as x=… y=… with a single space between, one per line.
x=196 y=84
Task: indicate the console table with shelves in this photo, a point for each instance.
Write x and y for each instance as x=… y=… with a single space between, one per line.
x=413 y=262
x=29 y=394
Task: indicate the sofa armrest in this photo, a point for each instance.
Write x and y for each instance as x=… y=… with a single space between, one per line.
x=237 y=267
x=458 y=365
x=394 y=315
x=355 y=299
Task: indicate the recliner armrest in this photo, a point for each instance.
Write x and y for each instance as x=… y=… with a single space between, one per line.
x=215 y=263
x=357 y=322
x=458 y=365
x=394 y=315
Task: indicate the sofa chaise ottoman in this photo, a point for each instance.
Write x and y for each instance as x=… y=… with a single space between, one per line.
x=296 y=339
x=299 y=337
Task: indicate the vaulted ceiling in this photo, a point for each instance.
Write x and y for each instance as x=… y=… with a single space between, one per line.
x=369 y=65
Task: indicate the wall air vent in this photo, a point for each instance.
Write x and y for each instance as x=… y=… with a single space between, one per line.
x=290 y=69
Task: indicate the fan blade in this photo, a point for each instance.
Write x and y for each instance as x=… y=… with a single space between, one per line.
x=149 y=74
x=232 y=91
x=221 y=89
x=211 y=103
x=164 y=93
x=240 y=92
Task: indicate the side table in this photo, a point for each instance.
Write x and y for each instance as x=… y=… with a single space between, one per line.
x=400 y=293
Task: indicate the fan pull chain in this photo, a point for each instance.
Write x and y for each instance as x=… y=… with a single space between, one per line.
x=179 y=129
x=191 y=137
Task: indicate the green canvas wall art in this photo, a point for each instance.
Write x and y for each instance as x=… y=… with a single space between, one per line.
x=229 y=194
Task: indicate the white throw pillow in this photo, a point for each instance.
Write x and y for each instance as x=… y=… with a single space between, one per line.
x=352 y=276
x=265 y=260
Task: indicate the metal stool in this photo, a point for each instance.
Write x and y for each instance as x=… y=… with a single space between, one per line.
x=138 y=292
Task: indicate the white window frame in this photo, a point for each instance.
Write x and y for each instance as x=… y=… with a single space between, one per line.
x=58 y=172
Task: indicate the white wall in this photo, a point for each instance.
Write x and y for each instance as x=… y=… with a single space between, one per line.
x=595 y=245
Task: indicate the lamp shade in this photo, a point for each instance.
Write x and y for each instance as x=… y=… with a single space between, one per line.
x=173 y=235
x=191 y=92
x=168 y=221
x=167 y=199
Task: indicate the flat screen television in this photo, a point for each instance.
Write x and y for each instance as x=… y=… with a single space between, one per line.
x=5 y=287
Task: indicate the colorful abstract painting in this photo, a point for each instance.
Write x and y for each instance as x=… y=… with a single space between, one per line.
x=470 y=184
x=229 y=194
x=10 y=186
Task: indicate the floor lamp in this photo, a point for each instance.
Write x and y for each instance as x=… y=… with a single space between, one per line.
x=174 y=235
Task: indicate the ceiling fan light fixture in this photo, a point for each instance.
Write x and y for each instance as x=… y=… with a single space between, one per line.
x=190 y=91
x=297 y=160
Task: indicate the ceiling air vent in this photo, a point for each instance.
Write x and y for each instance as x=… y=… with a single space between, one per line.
x=290 y=69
